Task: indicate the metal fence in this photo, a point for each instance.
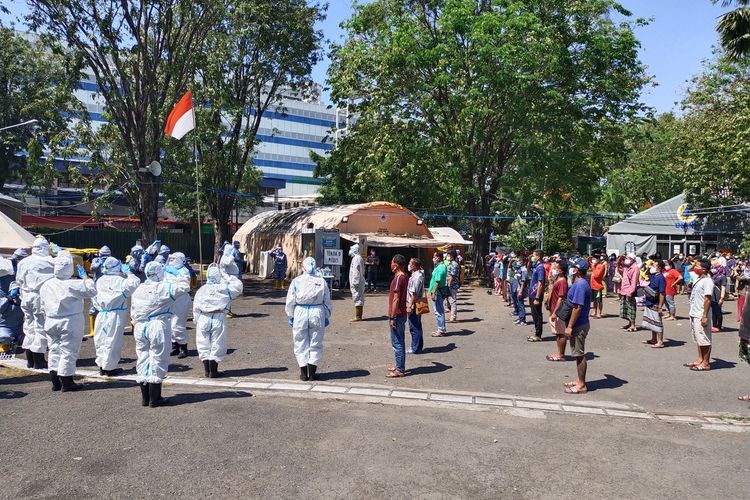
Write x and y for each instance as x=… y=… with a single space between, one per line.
x=120 y=241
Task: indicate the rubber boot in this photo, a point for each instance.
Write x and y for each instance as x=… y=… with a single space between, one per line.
x=56 y=385
x=91 y=326
x=357 y=313
x=154 y=395
x=39 y=362
x=68 y=385
x=214 y=369
x=183 y=351
x=102 y=372
x=29 y=358
x=144 y=393
x=311 y=369
x=175 y=349
x=303 y=374
x=206 y=368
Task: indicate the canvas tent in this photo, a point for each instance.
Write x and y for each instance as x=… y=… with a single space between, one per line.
x=663 y=229
x=379 y=224
x=13 y=236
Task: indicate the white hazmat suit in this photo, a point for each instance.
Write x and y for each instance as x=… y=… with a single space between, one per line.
x=176 y=272
x=112 y=294
x=62 y=302
x=227 y=263
x=31 y=274
x=210 y=304
x=308 y=306
x=357 y=281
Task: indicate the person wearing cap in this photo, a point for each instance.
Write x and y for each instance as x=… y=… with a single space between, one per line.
x=11 y=315
x=357 y=281
x=151 y=311
x=308 y=307
x=700 y=314
x=32 y=272
x=210 y=305
x=62 y=298
x=577 y=326
x=112 y=294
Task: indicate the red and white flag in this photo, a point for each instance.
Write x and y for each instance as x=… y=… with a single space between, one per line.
x=181 y=120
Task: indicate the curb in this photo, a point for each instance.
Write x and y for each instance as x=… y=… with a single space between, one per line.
x=456 y=399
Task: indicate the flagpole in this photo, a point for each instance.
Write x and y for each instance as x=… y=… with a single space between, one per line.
x=198 y=205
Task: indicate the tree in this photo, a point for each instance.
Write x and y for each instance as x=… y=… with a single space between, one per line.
x=260 y=50
x=517 y=238
x=34 y=85
x=734 y=28
x=141 y=55
x=491 y=91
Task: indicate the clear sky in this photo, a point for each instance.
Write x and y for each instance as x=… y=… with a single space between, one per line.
x=681 y=35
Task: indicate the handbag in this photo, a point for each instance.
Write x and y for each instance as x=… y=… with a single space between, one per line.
x=421 y=306
x=564 y=310
x=444 y=292
x=647 y=292
x=617 y=278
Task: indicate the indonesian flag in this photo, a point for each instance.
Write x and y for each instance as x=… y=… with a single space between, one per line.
x=181 y=120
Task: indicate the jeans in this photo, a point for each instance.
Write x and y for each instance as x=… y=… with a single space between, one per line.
x=513 y=295
x=536 y=313
x=415 y=328
x=520 y=307
x=397 y=341
x=717 y=315
x=452 y=302
x=671 y=307
x=372 y=276
x=439 y=313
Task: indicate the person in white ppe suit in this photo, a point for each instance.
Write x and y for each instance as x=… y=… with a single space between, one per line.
x=62 y=302
x=112 y=293
x=357 y=281
x=210 y=304
x=31 y=274
x=176 y=272
x=228 y=265
x=96 y=265
x=308 y=306
x=151 y=311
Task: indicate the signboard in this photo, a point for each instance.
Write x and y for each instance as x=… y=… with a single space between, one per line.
x=333 y=257
x=330 y=242
x=684 y=214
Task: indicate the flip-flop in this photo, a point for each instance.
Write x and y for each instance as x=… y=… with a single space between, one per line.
x=699 y=368
x=650 y=342
x=690 y=365
x=553 y=358
x=532 y=338
x=575 y=390
x=437 y=334
x=746 y=397
x=657 y=346
x=569 y=384
x=395 y=374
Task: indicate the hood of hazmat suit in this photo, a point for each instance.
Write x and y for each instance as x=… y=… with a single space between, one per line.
x=176 y=260
x=154 y=272
x=40 y=247
x=105 y=252
x=112 y=266
x=354 y=250
x=63 y=265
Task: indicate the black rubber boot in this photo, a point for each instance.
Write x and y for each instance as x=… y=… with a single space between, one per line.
x=154 y=395
x=39 y=362
x=68 y=385
x=303 y=373
x=183 y=351
x=175 y=349
x=102 y=372
x=144 y=393
x=311 y=369
x=56 y=385
x=29 y=359
x=206 y=368
x=214 y=369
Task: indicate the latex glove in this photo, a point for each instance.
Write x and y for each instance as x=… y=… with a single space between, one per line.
x=81 y=272
x=291 y=321
x=16 y=292
x=327 y=322
x=126 y=268
x=56 y=249
x=153 y=248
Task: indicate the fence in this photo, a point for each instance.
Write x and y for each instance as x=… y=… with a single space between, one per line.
x=120 y=241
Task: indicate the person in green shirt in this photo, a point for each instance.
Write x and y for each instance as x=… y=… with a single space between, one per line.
x=438 y=291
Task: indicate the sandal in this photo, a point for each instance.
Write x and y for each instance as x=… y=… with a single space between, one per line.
x=746 y=397
x=438 y=334
x=575 y=390
x=650 y=342
x=699 y=368
x=550 y=357
x=395 y=374
x=569 y=384
x=657 y=346
x=533 y=338
x=691 y=364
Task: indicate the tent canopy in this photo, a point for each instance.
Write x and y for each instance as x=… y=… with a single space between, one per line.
x=13 y=236
x=449 y=236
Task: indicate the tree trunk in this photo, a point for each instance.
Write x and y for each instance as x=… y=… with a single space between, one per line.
x=480 y=235
x=148 y=197
x=222 y=215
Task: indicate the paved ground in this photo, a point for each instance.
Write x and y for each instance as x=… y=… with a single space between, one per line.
x=485 y=352
x=100 y=443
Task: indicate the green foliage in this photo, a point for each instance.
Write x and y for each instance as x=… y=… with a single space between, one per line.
x=558 y=235
x=744 y=248
x=515 y=94
x=36 y=84
x=734 y=28
x=517 y=237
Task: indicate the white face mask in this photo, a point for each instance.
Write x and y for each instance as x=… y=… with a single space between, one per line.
x=554 y=273
x=653 y=269
x=627 y=262
x=594 y=261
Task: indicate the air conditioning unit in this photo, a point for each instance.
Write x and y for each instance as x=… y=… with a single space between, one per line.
x=265 y=265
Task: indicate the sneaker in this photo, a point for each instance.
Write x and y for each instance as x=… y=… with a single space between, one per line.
x=409 y=351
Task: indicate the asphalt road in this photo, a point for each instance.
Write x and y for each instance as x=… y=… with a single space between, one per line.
x=100 y=443
x=484 y=352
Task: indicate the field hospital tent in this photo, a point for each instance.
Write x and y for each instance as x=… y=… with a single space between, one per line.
x=13 y=236
x=380 y=224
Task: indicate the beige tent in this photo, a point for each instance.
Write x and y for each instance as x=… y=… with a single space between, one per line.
x=13 y=236
x=383 y=224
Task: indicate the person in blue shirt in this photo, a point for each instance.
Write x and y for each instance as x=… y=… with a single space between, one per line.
x=577 y=327
x=654 y=306
x=536 y=294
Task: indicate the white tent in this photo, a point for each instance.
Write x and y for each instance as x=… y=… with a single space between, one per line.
x=13 y=236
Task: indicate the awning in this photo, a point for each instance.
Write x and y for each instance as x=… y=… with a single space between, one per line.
x=448 y=236
x=392 y=241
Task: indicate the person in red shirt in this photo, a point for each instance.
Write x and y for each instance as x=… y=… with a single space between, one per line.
x=673 y=278
x=397 y=294
x=558 y=273
x=598 y=272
